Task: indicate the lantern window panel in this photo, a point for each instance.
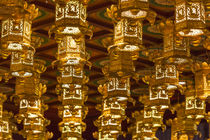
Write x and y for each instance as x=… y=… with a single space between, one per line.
x=4 y=127
x=29 y=58
x=68 y=71
x=112 y=121
x=153 y=93
x=5 y=28
x=147 y=113
x=106 y=105
x=61 y=48
x=131 y=29
x=111 y=84
x=193 y=12
x=121 y=84
x=59 y=12
x=16 y=27
x=199 y=104
x=72 y=9
x=190 y=103
x=66 y=129
x=27 y=30
x=119 y=30
x=77 y=94
x=139 y=127
x=16 y=58
x=67 y=113
x=23 y=103
x=34 y=104
x=159 y=72
x=83 y=12
x=156 y=114
x=162 y=94
x=171 y=71
x=115 y=105
x=180 y=13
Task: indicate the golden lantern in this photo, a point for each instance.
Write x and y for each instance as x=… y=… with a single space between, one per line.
x=73 y=94
x=70 y=19
x=176 y=49
x=127 y=18
x=150 y=119
x=128 y=31
x=70 y=73
x=159 y=98
x=118 y=87
x=158 y=94
x=16 y=31
x=72 y=48
x=190 y=17
x=22 y=63
x=72 y=13
x=202 y=80
x=166 y=74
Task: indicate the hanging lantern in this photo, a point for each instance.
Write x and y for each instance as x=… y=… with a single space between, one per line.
x=190 y=17
x=119 y=88
x=71 y=16
x=202 y=80
x=166 y=74
x=159 y=98
x=30 y=104
x=176 y=49
x=195 y=107
x=128 y=32
x=71 y=74
x=16 y=31
x=73 y=94
x=22 y=63
x=71 y=50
